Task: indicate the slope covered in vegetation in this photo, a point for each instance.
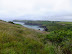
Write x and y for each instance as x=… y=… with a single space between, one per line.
x=16 y=39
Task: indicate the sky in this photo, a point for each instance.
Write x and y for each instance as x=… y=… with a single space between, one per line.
x=36 y=9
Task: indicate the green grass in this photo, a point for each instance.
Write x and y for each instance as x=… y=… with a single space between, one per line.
x=16 y=39
x=64 y=22
x=19 y=24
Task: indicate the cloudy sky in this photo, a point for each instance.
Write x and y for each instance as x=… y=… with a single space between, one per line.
x=13 y=9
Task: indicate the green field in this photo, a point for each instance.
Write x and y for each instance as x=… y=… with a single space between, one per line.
x=16 y=39
x=65 y=22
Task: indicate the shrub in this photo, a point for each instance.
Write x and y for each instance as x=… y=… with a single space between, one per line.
x=11 y=22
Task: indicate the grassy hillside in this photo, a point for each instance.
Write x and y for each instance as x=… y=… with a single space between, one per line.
x=16 y=39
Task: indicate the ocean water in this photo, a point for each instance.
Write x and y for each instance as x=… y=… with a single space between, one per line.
x=30 y=26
